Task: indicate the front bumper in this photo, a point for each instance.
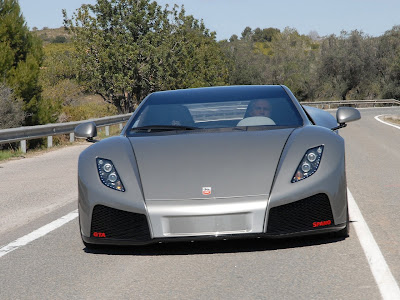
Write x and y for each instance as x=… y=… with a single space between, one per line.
x=312 y=215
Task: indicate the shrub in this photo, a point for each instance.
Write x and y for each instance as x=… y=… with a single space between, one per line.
x=11 y=114
x=86 y=111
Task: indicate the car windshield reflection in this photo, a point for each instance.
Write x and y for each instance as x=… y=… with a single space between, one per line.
x=191 y=113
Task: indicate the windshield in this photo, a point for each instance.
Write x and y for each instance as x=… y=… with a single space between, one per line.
x=211 y=108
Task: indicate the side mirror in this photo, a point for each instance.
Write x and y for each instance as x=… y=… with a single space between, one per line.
x=86 y=130
x=345 y=115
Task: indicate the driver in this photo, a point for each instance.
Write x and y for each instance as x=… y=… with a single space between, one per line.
x=259 y=108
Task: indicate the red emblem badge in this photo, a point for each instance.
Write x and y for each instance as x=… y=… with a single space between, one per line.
x=206 y=190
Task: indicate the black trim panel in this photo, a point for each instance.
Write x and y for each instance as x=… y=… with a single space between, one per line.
x=307 y=214
x=113 y=223
x=118 y=242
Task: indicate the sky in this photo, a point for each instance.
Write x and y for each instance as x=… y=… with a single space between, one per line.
x=228 y=17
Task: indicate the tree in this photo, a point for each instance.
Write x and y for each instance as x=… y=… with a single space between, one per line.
x=348 y=66
x=247 y=65
x=59 y=39
x=250 y=56
x=192 y=57
x=20 y=58
x=59 y=64
x=388 y=63
x=11 y=114
x=269 y=56
x=247 y=33
x=233 y=38
x=127 y=49
x=313 y=34
x=112 y=39
x=265 y=35
x=293 y=61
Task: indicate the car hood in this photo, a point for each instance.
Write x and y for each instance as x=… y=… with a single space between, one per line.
x=231 y=164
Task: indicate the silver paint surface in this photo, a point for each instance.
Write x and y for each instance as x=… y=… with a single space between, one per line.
x=249 y=173
x=347 y=114
x=86 y=130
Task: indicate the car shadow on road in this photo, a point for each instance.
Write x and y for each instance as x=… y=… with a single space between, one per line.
x=214 y=247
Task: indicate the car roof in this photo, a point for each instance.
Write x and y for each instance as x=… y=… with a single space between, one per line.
x=218 y=90
x=219 y=93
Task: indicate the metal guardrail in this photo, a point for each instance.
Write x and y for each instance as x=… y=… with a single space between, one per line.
x=22 y=134
x=353 y=103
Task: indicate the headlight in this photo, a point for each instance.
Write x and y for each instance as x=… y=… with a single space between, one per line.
x=309 y=164
x=109 y=175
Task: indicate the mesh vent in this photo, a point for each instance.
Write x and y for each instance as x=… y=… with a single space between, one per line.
x=300 y=215
x=119 y=224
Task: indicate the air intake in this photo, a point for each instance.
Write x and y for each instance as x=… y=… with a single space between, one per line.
x=119 y=224
x=303 y=215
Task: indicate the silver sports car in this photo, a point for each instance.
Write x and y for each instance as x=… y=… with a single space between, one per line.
x=218 y=162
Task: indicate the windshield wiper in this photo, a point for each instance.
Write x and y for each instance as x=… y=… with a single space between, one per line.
x=151 y=128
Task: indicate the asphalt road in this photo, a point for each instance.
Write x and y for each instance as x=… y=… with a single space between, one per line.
x=36 y=191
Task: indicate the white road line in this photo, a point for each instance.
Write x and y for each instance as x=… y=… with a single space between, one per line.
x=34 y=235
x=380 y=270
x=377 y=118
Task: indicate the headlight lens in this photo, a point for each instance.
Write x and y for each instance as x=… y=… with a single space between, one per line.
x=309 y=164
x=109 y=175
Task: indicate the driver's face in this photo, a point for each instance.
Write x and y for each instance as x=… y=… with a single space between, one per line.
x=261 y=108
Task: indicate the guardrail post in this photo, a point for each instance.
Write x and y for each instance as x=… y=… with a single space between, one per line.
x=49 y=141
x=72 y=137
x=23 y=146
x=120 y=126
x=107 y=130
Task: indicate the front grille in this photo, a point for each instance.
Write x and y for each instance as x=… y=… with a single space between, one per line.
x=300 y=215
x=118 y=224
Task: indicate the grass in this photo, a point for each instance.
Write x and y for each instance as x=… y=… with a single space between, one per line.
x=9 y=154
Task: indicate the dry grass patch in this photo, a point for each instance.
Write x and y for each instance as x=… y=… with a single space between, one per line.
x=395 y=119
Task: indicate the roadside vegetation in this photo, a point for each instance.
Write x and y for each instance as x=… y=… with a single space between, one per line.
x=8 y=154
x=110 y=55
x=392 y=119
